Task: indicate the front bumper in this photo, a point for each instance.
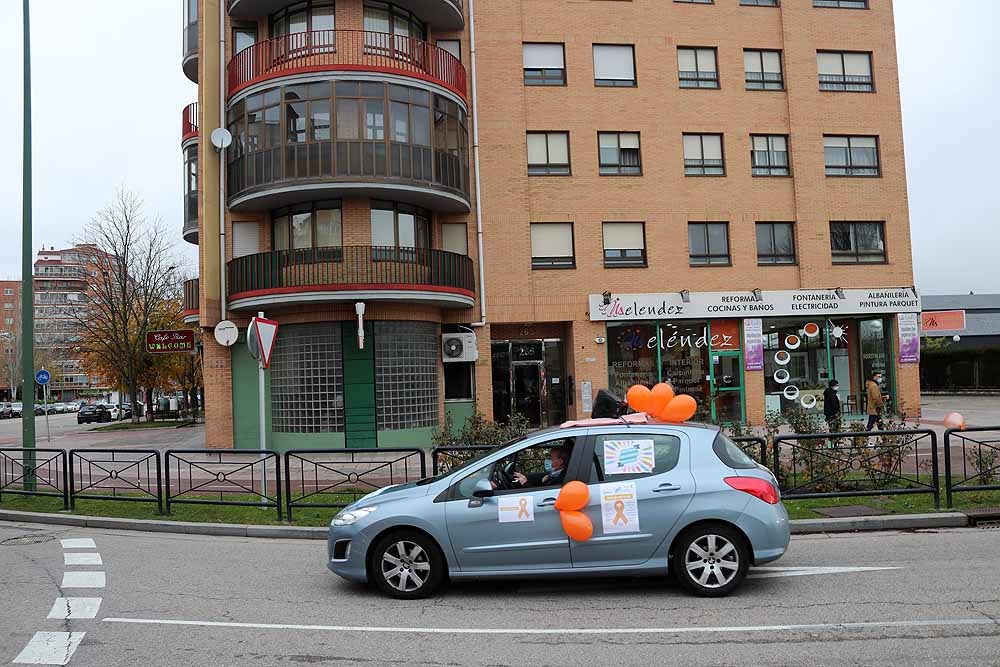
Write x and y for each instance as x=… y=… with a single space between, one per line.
x=346 y=548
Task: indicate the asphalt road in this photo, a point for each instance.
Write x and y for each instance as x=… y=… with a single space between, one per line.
x=67 y=434
x=941 y=604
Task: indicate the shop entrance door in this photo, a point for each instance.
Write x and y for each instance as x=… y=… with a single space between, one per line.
x=529 y=390
x=726 y=378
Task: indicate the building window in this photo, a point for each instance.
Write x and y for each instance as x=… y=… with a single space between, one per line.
x=459 y=381
x=191 y=186
x=307 y=226
x=8 y=321
x=695 y=2
x=544 y=64
x=775 y=243
x=455 y=237
x=308 y=16
x=703 y=155
x=399 y=226
x=851 y=156
x=548 y=153
x=614 y=65
x=858 y=242
x=763 y=70
x=552 y=245
x=307 y=379
x=387 y=18
x=769 y=155
x=8 y=306
x=452 y=46
x=8 y=291
x=845 y=71
x=619 y=153
x=697 y=68
x=407 y=355
x=759 y=3
x=842 y=4
x=708 y=243
x=244 y=36
x=624 y=244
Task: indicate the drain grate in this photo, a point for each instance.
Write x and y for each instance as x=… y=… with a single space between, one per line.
x=26 y=539
x=988 y=525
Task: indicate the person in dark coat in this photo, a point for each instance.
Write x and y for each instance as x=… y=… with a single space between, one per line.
x=831 y=406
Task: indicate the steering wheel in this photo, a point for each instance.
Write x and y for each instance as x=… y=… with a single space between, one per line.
x=503 y=476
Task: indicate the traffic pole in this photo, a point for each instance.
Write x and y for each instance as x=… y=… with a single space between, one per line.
x=45 y=393
x=27 y=271
x=261 y=405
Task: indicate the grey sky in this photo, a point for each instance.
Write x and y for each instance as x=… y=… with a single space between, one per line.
x=108 y=93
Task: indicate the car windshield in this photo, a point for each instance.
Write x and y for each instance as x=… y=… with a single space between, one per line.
x=466 y=464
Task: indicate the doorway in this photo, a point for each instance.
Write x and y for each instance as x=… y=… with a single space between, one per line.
x=528 y=390
x=528 y=380
x=726 y=380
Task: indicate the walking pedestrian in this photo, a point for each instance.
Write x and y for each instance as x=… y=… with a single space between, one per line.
x=831 y=406
x=873 y=388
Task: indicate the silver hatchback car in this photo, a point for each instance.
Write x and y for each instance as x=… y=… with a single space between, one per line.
x=663 y=498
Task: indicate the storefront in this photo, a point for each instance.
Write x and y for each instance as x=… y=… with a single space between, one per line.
x=744 y=354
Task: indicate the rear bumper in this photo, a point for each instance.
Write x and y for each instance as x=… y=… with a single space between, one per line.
x=768 y=530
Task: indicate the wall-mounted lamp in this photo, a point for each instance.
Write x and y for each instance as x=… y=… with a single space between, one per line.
x=758 y=295
x=686 y=296
x=839 y=291
x=607 y=297
x=359 y=308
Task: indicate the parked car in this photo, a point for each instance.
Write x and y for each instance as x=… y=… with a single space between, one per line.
x=17 y=408
x=115 y=411
x=6 y=411
x=73 y=407
x=40 y=410
x=126 y=411
x=58 y=408
x=707 y=512
x=95 y=412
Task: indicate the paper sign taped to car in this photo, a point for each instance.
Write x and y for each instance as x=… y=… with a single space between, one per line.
x=628 y=457
x=515 y=508
x=619 y=509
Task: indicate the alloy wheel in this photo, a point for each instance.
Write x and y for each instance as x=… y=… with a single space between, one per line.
x=712 y=561
x=405 y=566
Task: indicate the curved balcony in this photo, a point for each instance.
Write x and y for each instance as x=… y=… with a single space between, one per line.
x=189 y=148
x=189 y=63
x=189 y=123
x=350 y=274
x=440 y=14
x=191 y=303
x=345 y=51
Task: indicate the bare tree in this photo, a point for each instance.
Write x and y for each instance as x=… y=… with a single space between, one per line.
x=131 y=262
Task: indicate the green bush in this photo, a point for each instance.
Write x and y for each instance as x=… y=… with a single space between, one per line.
x=477 y=431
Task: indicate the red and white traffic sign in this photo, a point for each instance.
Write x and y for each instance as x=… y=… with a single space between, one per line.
x=264 y=332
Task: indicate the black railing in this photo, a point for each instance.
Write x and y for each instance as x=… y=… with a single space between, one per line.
x=34 y=472
x=115 y=474
x=872 y=463
x=980 y=460
x=350 y=267
x=444 y=459
x=248 y=478
x=338 y=477
x=755 y=447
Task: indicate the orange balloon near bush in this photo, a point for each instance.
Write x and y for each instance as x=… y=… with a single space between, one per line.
x=660 y=396
x=577 y=525
x=681 y=409
x=573 y=496
x=639 y=398
x=954 y=420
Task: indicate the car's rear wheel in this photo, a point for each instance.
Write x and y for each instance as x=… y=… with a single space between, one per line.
x=711 y=560
x=407 y=565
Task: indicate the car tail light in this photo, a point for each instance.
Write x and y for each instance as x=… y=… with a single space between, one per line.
x=759 y=488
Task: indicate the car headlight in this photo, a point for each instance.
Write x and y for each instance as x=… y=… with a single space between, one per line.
x=347 y=518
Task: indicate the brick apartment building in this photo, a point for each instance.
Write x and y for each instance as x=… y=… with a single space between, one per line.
x=10 y=326
x=534 y=201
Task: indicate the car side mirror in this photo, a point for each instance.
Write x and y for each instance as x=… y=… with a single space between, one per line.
x=482 y=489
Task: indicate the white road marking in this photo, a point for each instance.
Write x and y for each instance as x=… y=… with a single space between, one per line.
x=771 y=572
x=73 y=608
x=49 y=648
x=78 y=543
x=817 y=627
x=83 y=580
x=74 y=558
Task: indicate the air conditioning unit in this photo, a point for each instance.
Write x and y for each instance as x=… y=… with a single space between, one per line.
x=459 y=347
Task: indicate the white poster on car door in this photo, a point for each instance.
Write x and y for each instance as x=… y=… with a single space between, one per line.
x=511 y=509
x=619 y=509
x=629 y=457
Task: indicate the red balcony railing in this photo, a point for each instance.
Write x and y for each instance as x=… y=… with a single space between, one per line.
x=191 y=303
x=325 y=50
x=189 y=122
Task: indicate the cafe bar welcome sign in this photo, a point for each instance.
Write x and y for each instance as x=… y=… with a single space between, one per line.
x=825 y=303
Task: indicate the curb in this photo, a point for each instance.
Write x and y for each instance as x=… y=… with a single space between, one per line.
x=798 y=526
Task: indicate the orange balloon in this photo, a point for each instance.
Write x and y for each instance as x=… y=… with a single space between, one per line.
x=577 y=525
x=954 y=420
x=573 y=496
x=681 y=409
x=660 y=396
x=639 y=398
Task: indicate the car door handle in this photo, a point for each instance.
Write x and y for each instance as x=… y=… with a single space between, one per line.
x=548 y=502
x=666 y=487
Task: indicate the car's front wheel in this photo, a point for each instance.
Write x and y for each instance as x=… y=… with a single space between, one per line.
x=407 y=565
x=711 y=560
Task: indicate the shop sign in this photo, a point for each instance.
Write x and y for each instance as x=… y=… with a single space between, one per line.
x=739 y=305
x=753 y=344
x=909 y=338
x=158 y=342
x=943 y=320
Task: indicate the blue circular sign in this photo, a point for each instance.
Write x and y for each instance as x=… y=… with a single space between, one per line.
x=43 y=376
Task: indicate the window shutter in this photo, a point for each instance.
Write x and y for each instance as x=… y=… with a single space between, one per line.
x=751 y=61
x=835 y=142
x=558 y=149
x=772 y=62
x=713 y=147
x=614 y=62
x=623 y=236
x=553 y=239
x=537 y=153
x=452 y=46
x=246 y=239
x=829 y=63
x=692 y=147
x=857 y=64
x=706 y=60
x=686 y=60
x=455 y=237
x=629 y=140
x=543 y=56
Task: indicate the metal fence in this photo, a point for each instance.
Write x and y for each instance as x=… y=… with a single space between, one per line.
x=337 y=477
x=131 y=475
x=871 y=463
x=444 y=459
x=248 y=478
x=979 y=470
x=34 y=472
x=753 y=446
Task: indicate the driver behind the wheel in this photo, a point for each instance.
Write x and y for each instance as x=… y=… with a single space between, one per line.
x=555 y=469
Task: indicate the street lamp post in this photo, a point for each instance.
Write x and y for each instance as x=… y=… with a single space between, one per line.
x=27 y=275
